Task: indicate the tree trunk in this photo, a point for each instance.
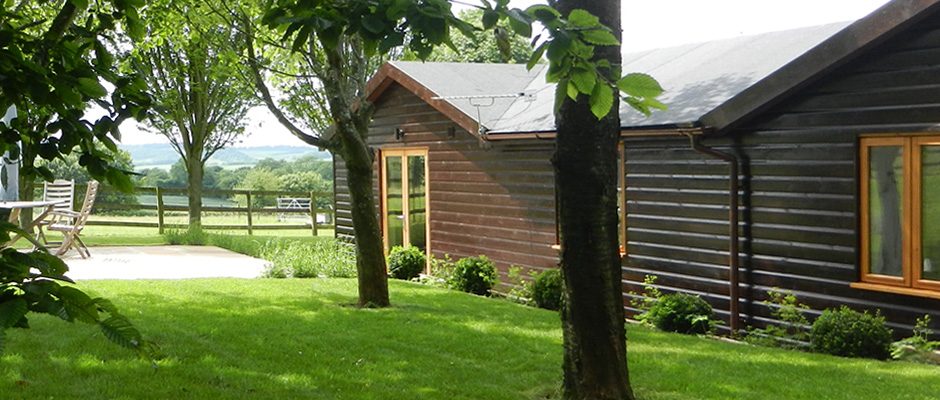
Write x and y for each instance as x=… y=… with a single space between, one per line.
x=194 y=172
x=585 y=162
x=370 y=255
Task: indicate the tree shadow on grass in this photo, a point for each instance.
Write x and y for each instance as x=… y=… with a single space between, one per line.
x=289 y=342
x=672 y=367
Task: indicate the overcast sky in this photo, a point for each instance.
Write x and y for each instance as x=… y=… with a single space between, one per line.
x=647 y=25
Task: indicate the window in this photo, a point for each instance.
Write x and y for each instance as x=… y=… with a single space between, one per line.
x=900 y=213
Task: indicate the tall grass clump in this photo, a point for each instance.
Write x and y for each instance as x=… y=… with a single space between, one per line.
x=240 y=244
x=321 y=259
x=191 y=237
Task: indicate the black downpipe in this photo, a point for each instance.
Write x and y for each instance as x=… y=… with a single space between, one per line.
x=733 y=264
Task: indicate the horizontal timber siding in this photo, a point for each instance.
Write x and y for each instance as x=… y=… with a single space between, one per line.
x=799 y=207
x=494 y=199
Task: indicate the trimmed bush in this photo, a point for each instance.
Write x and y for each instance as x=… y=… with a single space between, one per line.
x=849 y=333
x=680 y=312
x=406 y=262
x=547 y=289
x=475 y=275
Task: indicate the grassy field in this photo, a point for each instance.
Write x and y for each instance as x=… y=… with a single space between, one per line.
x=96 y=235
x=286 y=339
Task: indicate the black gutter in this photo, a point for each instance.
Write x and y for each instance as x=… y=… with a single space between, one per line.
x=733 y=262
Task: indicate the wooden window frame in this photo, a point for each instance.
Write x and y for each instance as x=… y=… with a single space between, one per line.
x=910 y=282
x=404 y=152
x=916 y=213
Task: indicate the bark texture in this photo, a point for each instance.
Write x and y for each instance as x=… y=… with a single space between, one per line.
x=194 y=176
x=351 y=123
x=585 y=164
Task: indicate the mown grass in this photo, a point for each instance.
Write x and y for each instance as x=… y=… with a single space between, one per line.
x=285 y=339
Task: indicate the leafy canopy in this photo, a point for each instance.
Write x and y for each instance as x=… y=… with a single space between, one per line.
x=56 y=59
x=569 y=44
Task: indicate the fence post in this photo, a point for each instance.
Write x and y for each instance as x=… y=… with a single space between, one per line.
x=159 y=210
x=248 y=201
x=313 y=213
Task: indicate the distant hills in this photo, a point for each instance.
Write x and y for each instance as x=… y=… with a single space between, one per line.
x=160 y=155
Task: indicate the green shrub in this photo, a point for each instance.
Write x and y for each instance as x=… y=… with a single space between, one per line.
x=547 y=288
x=325 y=258
x=791 y=331
x=919 y=347
x=848 y=333
x=406 y=262
x=475 y=275
x=680 y=312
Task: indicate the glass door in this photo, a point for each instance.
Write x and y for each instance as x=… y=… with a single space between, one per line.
x=404 y=198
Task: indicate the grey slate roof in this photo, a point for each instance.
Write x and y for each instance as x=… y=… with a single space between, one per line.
x=453 y=81
x=697 y=79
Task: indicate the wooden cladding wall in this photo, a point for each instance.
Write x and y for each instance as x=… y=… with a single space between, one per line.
x=799 y=200
x=495 y=199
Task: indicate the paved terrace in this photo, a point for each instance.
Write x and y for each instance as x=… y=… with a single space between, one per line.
x=162 y=262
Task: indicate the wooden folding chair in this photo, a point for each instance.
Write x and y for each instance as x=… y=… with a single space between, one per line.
x=59 y=190
x=71 y=223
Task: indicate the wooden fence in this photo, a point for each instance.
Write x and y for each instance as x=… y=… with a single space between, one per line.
x=248 y=208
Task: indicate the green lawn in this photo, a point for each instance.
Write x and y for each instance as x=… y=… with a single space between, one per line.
x=286 y=339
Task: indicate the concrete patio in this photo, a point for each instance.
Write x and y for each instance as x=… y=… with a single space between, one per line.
x=163 y=262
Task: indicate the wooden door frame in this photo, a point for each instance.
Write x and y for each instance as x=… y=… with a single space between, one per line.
x=404 y=153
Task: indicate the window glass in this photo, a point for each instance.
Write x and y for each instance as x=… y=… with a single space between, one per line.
x=417 y=203
x=394 y=209
x=885 y=210
x=930 y=212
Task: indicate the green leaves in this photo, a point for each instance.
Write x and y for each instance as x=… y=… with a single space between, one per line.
x=119 y=330
x=584 y=80
x=12 y=312
x=579 y=18
x=641 y=91
x=600 y=37
x=602 y=100
x=91 y=88
x=520 y=22
x=639 y=85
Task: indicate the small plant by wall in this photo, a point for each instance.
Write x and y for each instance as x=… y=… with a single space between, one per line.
x=680 y=312
x=547 y=289
x=791 y=332
x=642 y=302
x=848 y=333
x=918 y=347
x=475 y=275
x=406 y=262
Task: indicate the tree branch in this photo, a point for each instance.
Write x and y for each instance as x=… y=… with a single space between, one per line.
x=269 y=100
